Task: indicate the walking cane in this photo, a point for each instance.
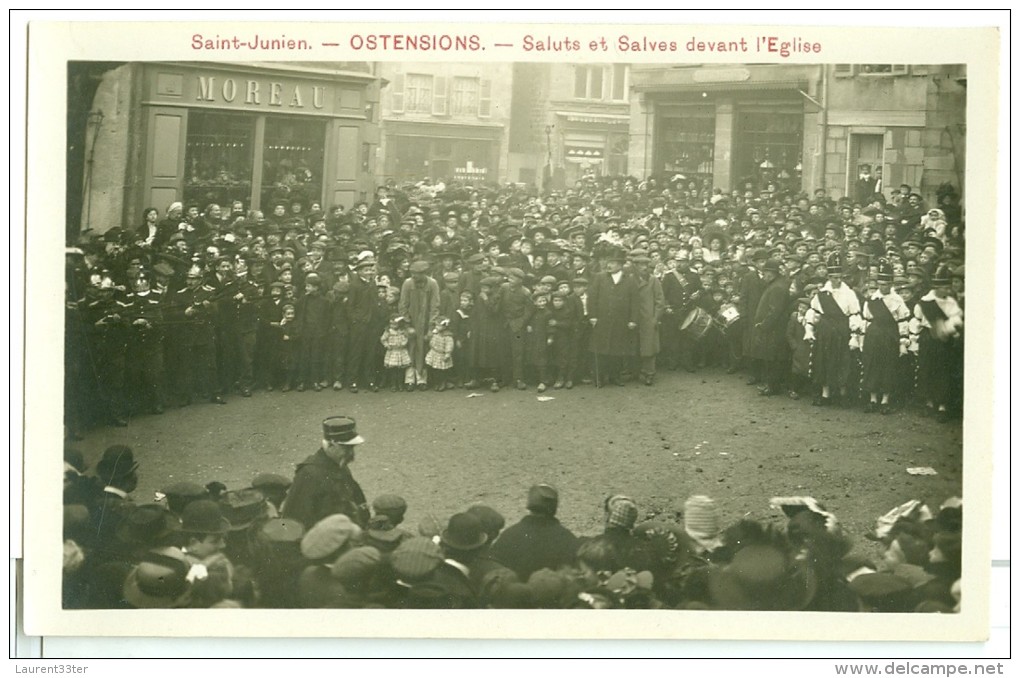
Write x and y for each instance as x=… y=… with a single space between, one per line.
x=598 y=382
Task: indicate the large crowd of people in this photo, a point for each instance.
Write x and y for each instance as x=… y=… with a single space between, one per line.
x=855 y=302
x=315 y=541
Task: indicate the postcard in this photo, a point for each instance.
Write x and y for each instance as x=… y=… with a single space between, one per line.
x=547 y=330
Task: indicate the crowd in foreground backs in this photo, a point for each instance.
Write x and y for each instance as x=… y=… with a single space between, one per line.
x=316 y=541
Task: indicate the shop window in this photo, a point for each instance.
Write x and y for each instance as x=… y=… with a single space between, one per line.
x=768 y=149
x=882 y=69
x=588 y=82
x=293 y=156
x=465 y=96
x=418 y=93
x=618 y=149
x=688 y=143
x=218 y=158
x=848 y=70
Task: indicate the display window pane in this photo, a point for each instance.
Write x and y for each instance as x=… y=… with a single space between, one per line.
x=688 y=143
x=293 y=155
x=768 y=149
x=218 y=158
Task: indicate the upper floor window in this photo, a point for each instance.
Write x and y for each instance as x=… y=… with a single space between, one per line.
x=601 y=82
x=465 y=96
x=418 y=93
x=588 y=82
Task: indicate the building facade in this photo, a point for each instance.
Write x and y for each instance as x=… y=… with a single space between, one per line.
x=204 y=133
x=445 y=120
x=804 y=127
x=570 y=120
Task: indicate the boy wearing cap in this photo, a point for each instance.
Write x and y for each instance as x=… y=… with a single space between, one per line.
x=538 y=540
x=536 y=346
x=323 y=484
x=562 y=330
x=311 y=327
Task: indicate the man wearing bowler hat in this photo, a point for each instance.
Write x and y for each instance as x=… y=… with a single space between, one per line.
x=323 y=484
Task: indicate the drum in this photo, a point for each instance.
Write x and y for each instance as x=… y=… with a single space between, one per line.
x=696 y=324
x=727 y=316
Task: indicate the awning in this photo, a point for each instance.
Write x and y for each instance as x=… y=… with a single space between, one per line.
x=585 y=154
x=597 y=118
x=689 y=88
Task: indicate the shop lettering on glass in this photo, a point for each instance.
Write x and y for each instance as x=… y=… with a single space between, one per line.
x=213 y=89
x=469 y=171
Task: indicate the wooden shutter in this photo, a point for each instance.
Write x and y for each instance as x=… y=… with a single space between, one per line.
x=397 y=93
x=843 y=70
x=439 y=98
x=485 y=99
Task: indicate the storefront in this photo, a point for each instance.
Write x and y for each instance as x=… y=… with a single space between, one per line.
x=732 y=127
x=592 y=144
x=441 y=151
x=260 y=135
x=733 y=141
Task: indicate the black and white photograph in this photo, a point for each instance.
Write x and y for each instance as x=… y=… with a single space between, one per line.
x=578 y=330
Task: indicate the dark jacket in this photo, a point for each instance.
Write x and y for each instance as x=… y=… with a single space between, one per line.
x=613 y=305
x=536 y=542
x=323 y=488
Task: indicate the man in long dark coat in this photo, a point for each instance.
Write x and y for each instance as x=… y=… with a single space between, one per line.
x=751 y=288
x=612 y=313
x=769 y=351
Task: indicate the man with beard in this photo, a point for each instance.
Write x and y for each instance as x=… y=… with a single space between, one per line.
x=612 y=313
x=323 y=484
x=768 y=339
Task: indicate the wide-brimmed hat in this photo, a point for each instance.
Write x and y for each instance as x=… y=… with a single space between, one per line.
x=204 y=517
x=282 y=531
x=762 y=577
x=464 y=532
x=147 y=524
x=161 y=580
x=242 y=508
x=118 y=462
x=341 y=430
x=491 y=519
